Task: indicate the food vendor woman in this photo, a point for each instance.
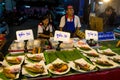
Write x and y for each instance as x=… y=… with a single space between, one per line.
x=45 y=28
x=70 y=22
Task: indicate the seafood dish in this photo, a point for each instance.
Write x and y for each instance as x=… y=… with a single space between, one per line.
x=115 y=59
x=11 y=72
x=91 y=53
x=81 y=65
x=35 y=57
x=14 y=60
x=85 y=47
x=103 y=63
x=58 y=67
x=107 y=52
x=35 y=68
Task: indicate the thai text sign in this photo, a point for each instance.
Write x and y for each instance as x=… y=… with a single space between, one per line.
x=89 y=34
x=103 y=36
x=61 y=36
x=24 y=35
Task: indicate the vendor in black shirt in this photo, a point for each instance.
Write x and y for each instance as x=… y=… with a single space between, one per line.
x=45 y=28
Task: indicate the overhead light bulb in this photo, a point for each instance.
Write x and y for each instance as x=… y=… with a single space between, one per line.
x=100 y=2
x=106 y=0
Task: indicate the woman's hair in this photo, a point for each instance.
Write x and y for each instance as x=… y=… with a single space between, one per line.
x=45 y=17
x=109 y=8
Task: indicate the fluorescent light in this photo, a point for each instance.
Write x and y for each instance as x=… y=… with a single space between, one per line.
x=100 y=2
x=106 y=0
x=26 y=6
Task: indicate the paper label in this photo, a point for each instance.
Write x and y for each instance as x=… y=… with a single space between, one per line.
x=24 y=35
x=61 y=36
x=104 y=36
x=89 y=34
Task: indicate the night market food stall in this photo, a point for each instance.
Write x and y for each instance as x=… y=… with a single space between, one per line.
x=66 y=59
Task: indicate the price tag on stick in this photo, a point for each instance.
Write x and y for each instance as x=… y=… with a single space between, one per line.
x=24 y=35
x=61 y=36
x=89 y=34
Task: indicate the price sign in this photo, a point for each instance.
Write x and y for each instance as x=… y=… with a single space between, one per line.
x=89 y=34
x=104 y=36
x=24 y=35
x=61 y=36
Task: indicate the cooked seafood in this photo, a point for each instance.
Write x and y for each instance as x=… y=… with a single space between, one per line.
x=117 y=60
x=81 y=43
x=83 y=66
x=92 y=54
x=14 y=60
x=36 y=68
x=85 y=47
x=109 y=53
x=36 y=57
x=103 y=63
x=10 y=73
x=59 y=67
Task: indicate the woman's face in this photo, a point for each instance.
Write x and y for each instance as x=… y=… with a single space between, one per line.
x=45 y=22
x=109 y=12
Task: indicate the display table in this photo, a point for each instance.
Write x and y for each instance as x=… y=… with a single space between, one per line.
x=107 y=70
x=108 y=74
x=112 y=74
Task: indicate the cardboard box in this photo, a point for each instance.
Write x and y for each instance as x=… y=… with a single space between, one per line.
x=96 y=24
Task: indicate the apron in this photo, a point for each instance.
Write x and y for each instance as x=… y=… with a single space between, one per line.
x=69 y=26
x=46 y=32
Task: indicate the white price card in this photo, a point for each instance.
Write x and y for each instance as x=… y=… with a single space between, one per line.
x=61 y=36
x=24 y=35
x=89 y=34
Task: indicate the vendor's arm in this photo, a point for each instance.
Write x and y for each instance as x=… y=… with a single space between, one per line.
x=60 y=28
x=62 y=23
x=43 y=35
x=51 y=31
x=78 y=28
x=78 y=24
x=51 y=34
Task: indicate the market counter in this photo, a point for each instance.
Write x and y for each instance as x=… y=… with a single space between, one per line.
x=100 y=65
x=112 y=74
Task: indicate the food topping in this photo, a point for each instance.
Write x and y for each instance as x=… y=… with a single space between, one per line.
x=82 y=66
x=103 y=63
x=92 y=54
x=109 y=53
x=35 y=68
x=14 y=60
x=35 y=57
x=117 y=60
x=11 y=72
x=85 y=47
x=59 y=67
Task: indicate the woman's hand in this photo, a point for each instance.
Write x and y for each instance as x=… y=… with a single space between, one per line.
x=51 y=35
